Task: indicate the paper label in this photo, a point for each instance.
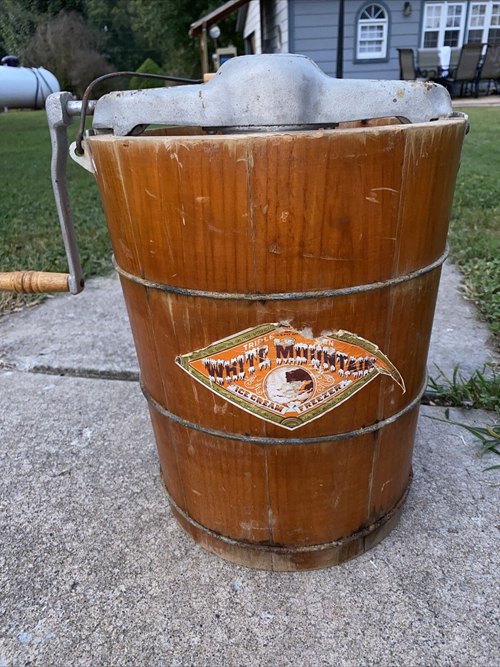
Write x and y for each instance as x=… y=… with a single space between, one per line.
x=286 y=376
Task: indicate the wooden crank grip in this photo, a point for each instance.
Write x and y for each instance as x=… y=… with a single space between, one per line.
x=33 y=282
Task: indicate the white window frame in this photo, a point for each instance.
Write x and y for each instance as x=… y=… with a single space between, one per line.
x=442 y=28
x=379 y=53
x=489 y=5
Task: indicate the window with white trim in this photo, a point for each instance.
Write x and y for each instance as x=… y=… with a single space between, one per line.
x=484 y=23
x=444 y=24
x=372 y=31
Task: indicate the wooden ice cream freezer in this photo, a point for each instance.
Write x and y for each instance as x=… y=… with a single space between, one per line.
x=279 y=237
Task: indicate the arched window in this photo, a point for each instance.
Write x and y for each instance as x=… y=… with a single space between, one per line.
x=373 y=24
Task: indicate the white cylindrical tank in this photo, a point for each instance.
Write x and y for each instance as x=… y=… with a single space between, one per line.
x=26 y=87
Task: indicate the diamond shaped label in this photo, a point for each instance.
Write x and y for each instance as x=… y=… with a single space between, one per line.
x=286 y=376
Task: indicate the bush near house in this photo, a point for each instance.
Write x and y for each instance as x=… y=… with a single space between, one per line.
x=68 y=48
x=148 y=67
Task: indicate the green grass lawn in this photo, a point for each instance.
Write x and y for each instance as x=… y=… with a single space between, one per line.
x=30 y=236
x=475 y=224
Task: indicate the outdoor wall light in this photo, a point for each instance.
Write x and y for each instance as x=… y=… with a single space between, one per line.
x=407 y=9
x=214 y=32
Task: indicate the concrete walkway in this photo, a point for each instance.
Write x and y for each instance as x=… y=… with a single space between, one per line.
x=481 y=101
x=95 y=571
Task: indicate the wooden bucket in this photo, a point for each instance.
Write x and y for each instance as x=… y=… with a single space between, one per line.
x=281 y=290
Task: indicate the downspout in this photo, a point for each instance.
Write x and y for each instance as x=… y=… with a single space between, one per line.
x=204 y=50
x=340 y=41
x=261 y=26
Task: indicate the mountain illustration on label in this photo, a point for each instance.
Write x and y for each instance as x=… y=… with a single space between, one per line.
x=286 y=376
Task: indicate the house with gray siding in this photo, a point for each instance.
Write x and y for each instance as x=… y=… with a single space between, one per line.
x=372 y=31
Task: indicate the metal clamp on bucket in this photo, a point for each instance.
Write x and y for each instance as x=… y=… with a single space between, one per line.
x=279 y=237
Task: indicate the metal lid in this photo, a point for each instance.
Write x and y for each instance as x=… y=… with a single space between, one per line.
x=267 y=92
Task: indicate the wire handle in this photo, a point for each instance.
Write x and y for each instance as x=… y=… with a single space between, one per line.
x=85 y=99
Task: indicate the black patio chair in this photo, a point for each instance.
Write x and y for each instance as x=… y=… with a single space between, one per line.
x=429 y=63
x=490 y=71
x=467 y=71
x=407 y=69
x=454 y=58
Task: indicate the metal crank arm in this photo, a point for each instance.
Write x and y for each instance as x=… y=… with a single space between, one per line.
x=60 y=109
x=60 y=112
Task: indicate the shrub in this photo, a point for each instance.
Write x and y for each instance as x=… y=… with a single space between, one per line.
x=148 y=67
